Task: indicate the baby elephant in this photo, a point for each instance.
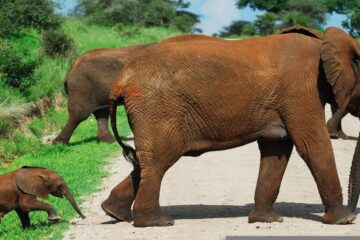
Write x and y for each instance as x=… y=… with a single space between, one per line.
x=19 y=190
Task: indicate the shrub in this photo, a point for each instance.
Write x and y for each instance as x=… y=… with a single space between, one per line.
x=56 y=43
x=127 y=31
x=18 y=14
x=12 y=111
x=15 y=70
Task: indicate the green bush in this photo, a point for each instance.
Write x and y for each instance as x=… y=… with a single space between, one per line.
x=56 y=43
x=127 y=31
x=15 y=69
x=18 y=14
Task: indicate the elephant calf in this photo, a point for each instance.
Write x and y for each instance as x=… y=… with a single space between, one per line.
x=19 y=190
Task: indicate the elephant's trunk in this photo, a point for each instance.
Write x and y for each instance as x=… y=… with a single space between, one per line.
x=354 y=179
x=74 y=204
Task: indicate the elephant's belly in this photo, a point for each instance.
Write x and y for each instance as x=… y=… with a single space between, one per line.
x=274 y=132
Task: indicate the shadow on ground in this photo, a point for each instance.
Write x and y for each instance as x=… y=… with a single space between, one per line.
x=306 y=211
x=297 y=210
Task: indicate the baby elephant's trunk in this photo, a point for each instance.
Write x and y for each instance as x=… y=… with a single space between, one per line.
x=74 y=204
x=354 y=180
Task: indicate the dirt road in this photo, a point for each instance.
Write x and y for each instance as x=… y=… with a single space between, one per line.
x=210 y=197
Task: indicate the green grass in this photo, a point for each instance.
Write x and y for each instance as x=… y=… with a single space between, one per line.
x=81 y=165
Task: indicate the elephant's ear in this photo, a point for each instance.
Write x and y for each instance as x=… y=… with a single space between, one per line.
x=32 y=183
x=302 y=30
x=341 y=59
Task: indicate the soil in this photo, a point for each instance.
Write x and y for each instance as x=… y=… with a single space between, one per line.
x=210 y=197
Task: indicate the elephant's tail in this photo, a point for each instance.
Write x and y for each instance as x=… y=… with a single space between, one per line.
x=128 y=151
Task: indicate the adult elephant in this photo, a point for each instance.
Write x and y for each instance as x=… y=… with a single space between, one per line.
x=334 y=123
x=88 y=85
x=205 y=95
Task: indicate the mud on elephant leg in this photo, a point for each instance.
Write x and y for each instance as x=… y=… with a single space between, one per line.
x=102 y=118
x=334 y=123
x=118 y=204
x=274 y=159
x=146 y=207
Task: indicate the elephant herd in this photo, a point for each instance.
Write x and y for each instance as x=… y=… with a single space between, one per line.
x=192 y=94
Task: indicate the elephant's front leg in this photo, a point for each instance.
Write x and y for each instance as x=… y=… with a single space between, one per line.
x=118 y=204
x=24 y=218
x=30 y=203
x=274 y=159
x=334 y=123
x=313 y=144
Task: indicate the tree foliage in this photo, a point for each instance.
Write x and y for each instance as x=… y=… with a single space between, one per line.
x=139 y=12
x=350 y=8
x=310 y=13
x=18 y=14
x=284 y=13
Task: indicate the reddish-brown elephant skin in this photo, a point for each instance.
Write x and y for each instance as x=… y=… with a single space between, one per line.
x=334 y=123
x=198 y=96
x=94 y=73
x=19 y=191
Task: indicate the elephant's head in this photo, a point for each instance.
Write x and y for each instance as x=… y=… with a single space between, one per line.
x=340 y=54
x=40 y=181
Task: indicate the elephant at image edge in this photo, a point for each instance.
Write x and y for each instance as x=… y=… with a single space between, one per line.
x=217 y=95
x=334 y=123
x=95 y=72
x=19 y=190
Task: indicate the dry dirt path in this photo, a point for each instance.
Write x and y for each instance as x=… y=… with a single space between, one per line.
x=210 y=197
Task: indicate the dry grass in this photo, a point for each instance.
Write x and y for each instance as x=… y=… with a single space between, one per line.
x=12 y=112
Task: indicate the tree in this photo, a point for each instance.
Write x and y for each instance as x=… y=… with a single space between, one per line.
x=140 y=12
x=274 y=6
x=18 y=14
x=235 y=28
x=310 y=13
x=284 y=13
x=266 y=24
x=350 y=8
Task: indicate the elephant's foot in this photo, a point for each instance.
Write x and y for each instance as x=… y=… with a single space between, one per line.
x=266 y=216
x=339 y=215
x=60 y=140
x=119 y=210
x=335 y=133
x=106 y=138
x=152 y=220
x=53 y=217
x=342 y=135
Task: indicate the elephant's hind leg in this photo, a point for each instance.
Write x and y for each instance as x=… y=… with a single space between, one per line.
x=102 y=118
x=146 y=207
x=274 y=159
x=118 y=204
x=66 y=133
x=24 y=218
